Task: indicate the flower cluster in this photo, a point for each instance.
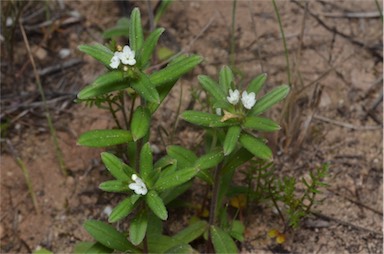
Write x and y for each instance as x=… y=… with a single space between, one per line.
x=248 y=99
x=138 y=186
x=126 y=57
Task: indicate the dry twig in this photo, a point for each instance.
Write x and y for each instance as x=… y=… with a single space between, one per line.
x=347 y=125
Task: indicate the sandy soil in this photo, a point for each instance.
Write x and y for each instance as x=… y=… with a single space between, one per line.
x=339 y=55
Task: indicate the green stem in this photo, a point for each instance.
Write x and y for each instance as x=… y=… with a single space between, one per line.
x=122 y=101
x=233 y=37
x=29 y=183
x=52 y=129
x=275 y=204
x=113 y=112
x=284 y=41
x=214 y=199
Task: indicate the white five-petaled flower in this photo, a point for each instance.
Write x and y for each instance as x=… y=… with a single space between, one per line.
x=115 y=61
x=138 y=186
x=233 y=97
x=248 y=99
x=127 y=57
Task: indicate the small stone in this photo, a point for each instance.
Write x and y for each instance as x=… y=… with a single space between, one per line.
x=63 y=53
x=39 y=52
x=9 y=22
x=155 y=149
x=107 y=210
x=70 y=180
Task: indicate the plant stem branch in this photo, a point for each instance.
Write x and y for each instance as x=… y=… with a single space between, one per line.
x=233 y=37
x=25 y=171
x=275 y=204
x=284 y=41
x=52 y=129
x=113 y=114
x=214 y=198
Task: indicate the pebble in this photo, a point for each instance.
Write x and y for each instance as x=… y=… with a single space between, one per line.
x=107 y=210
x=63 y=53
x=70 y=180
x=39 y=52
x=155 y=149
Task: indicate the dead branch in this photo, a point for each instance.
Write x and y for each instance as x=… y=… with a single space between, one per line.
x=347 y=125
x=366 y=15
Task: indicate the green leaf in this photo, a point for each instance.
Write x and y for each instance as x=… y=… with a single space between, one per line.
x=104 y=138
x=114 y=186
x=164 y=162
x=82 y=247
x=42 y=251
x=231 y=139
x=108 y=236
x=136 y=37
x=206 y=119
x=184 y=157
x=106 y=83
x=138 y=228
x=163 y=92
x=121 y=29
x=232 y=162
x=164 y=4
x=145 y=88
x=175 y=70
x=256 y=146
x=237 y=230
x=148 y=47
x=164 y=53
x=160 y=243
x=177 y=178
x=260 y=124
x=257 y=83
x=270 y=99
x=226 y=79
x=146 y=162
x=87 y=247
x=210 y=159
x=99 y=52
x=181 y=248
x=171 y=194
x=156 y=204
x=235 y=160
x=222 y=242
x=115 y=166
x=192 y=232
x=124 y=208
x=140 y=123
x=213 y=89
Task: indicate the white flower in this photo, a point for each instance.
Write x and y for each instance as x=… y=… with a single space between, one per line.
x=115 y=61
x=233 y=97
x=218 y=111
x=248 y=99
x=138 y=186
x=127 y=56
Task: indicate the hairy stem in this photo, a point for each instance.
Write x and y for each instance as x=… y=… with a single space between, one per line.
x=113 y=114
